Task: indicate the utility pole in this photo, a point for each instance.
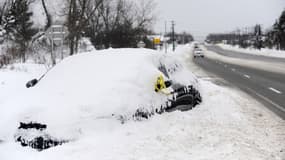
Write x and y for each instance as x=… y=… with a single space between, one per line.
x=165 y=42
x=52 y=46
x=173 y=36
x=183 y=38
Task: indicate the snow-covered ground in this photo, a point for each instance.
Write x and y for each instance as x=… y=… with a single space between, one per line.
x=227 y=125
x=264 y=51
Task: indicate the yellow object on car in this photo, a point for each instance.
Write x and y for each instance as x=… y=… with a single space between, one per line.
x=160 y=84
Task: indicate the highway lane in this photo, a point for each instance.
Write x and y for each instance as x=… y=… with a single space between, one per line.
x=267 y=87
x=235 y=54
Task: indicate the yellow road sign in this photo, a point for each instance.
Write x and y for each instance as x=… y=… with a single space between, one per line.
x=156 y=40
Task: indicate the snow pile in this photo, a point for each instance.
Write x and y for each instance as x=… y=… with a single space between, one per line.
x=264 y=51
x=177 y=69
x=86 y=45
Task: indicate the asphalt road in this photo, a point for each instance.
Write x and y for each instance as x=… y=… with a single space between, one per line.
x=267 y=87
x=239 y=55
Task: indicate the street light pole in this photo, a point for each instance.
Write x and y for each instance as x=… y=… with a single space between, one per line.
x=173 y=39
x=165 y=42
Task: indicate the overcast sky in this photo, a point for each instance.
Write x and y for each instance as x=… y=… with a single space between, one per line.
x=201 y=17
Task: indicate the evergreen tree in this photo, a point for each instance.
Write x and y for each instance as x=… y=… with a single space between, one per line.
x=269 y=39
x=281 y=30
x=19 y=26
x=10 y=22
x=257 y=36
x=276 y=35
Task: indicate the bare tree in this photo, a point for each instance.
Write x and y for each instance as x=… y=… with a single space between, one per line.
x=144 y=13
x=3 y=10
x=115 y=23
x=110 y=11
x=95 y=21
x=79 y=11
x=124 y=21
x=48 y=16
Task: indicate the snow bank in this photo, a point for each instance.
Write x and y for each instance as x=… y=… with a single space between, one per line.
x=264 y=51
x=276 y=67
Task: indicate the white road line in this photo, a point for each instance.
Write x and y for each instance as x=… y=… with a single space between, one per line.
x=268 y=100
x=233 y=69
x=275 y=90
x=246 y=76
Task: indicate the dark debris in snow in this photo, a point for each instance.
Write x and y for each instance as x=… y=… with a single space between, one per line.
x=33 y=135
x=184 y=99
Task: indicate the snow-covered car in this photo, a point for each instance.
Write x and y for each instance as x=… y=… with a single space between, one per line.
x=198 y=53
x=110 y=85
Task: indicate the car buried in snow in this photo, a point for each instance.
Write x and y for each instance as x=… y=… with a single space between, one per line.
x=115 y=84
